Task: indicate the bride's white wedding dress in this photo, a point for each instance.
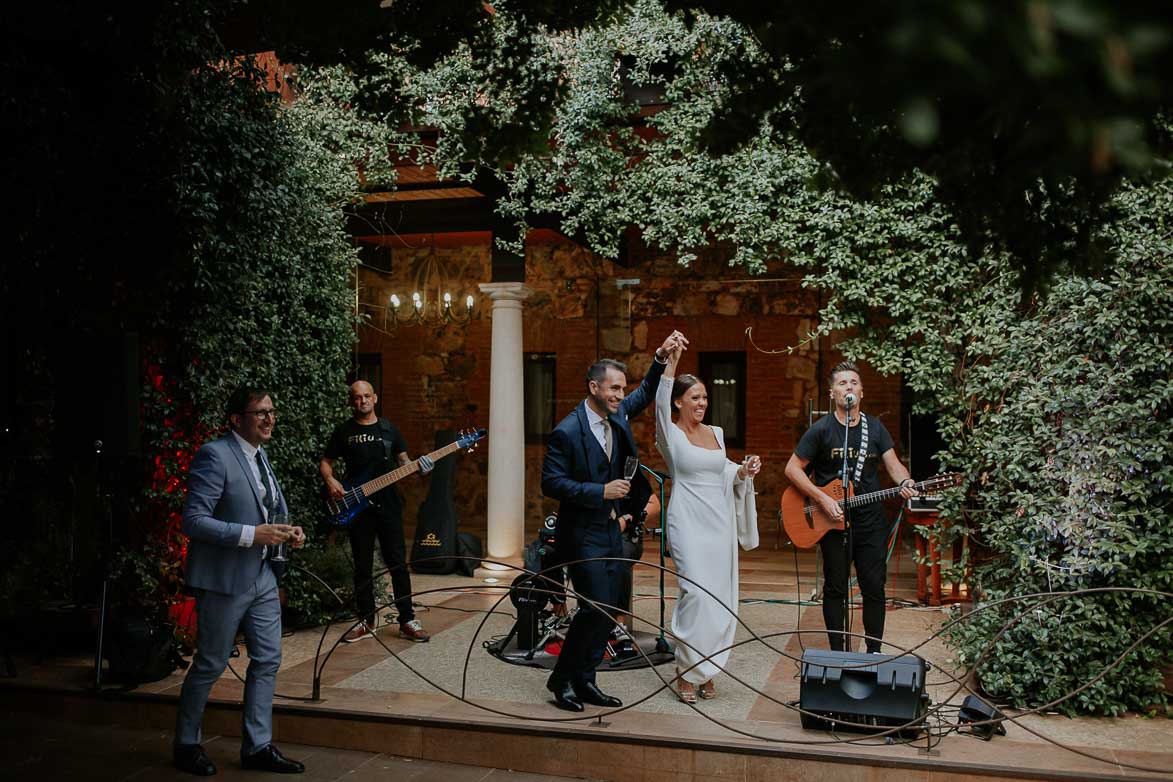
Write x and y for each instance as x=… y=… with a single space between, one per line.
x=709 y=511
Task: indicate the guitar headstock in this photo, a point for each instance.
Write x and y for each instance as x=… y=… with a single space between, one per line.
x=470 y=437
x=939 y=482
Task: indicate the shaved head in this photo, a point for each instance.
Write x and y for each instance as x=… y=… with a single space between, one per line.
x=362 y=401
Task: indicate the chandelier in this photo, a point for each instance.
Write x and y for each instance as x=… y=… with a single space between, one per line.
x=431 y=302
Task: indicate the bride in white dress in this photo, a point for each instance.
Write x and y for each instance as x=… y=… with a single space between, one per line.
x=710 y=511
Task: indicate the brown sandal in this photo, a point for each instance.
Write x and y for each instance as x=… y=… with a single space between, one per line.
x=686 y=691
x=707 y=691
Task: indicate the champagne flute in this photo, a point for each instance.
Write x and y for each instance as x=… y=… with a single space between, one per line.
x=630 y=468
x=279 y=552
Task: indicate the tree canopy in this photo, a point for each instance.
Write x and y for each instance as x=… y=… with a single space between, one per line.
x=1026 y=116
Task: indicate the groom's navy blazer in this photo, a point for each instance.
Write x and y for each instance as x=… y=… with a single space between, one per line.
x=576 y=467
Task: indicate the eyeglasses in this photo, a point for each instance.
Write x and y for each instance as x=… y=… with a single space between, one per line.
x=261 y=415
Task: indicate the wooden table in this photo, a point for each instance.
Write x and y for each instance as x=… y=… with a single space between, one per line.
x=928 y=576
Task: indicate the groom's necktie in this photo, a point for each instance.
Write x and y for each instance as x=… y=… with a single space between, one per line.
x=270 y=501
x=608 y=448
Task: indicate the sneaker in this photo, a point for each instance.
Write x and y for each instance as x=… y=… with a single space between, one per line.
x=358 y=632
x=414 y=631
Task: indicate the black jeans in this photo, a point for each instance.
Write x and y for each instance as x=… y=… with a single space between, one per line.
x=869 y=551
x=388 y=528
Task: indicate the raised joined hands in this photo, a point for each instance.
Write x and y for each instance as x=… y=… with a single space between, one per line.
x=674 y=344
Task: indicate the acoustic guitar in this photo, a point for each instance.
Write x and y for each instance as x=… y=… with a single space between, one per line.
x=341 y=511
x=806 y=523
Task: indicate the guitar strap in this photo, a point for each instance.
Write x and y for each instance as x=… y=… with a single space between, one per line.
x=862 y=455
x=385 y=436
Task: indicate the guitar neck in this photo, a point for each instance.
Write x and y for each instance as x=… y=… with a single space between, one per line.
x=876 y=496
x=383 y=481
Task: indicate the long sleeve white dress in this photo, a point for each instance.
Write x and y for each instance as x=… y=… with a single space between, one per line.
x=709 y=512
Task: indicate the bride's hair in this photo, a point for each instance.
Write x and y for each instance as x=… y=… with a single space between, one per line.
x=681 y=384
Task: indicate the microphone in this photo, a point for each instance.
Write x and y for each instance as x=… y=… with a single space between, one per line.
x=849 y=400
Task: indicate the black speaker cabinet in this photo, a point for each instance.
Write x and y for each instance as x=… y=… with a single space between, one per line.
x=876 y=691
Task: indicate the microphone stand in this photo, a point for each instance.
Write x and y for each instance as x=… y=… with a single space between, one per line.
x=661 y=642
x=846 y=484
x=104 y=509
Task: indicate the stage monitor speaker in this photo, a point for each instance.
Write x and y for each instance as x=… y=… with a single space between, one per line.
x=877 y=692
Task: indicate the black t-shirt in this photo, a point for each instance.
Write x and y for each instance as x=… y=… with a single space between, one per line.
x=361 y=447
x=822 y=446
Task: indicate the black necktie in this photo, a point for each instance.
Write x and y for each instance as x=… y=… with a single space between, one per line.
x=270 y=500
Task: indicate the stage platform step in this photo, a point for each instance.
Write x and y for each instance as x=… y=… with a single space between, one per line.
x=621 y=748
x=387 y=695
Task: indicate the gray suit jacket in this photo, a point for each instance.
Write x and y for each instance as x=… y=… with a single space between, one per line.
x=222 y=497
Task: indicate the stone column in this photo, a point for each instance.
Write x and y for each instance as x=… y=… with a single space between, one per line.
x=506 y=512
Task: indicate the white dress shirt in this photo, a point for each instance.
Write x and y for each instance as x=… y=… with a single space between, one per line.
x=250 y=456
x=598 y=426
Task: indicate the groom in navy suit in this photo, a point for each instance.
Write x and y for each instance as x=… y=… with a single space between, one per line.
x=583 y=470
x=232 y=493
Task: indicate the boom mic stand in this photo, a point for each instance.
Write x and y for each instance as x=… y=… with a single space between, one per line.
x=104 y=509
x=847 y=525
x=661 y=642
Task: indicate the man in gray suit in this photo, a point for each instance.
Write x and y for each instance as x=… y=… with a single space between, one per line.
x=231 y=495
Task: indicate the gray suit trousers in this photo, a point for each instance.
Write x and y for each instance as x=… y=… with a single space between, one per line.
x=257 y=612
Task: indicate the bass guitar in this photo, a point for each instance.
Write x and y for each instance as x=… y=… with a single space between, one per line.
x=341 y=511
x=806 y=523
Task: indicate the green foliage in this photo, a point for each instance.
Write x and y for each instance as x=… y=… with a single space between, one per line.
x=1071 y=472
x=263 y=293
x=1002 y=105
x=264 y=296
x=308 y=600
x=492 y=99
x=597 y=171
x=144 y=581
x=1025 y=148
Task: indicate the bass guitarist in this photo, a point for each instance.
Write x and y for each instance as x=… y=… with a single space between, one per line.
x=368 y=444
x=817 y=461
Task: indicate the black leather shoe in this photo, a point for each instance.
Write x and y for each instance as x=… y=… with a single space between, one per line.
x=271 y=759
x=564 y=696
x=590 y=693
x=192 y=759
